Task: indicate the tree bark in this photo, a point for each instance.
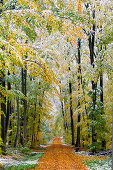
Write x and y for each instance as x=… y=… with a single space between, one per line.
x=24 y=78
x=8 y=108
x=25 y=108
x=3 y=120
x=18 y=123
x=71 y=112
x=79 y=83
x=94 y=84
x=62 y=108
x=3 y=105
x=101 y=97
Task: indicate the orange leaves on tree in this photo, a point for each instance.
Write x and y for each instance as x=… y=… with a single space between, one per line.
x=79 y=5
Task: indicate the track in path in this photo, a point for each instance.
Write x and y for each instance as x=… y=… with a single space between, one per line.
x=60 y=157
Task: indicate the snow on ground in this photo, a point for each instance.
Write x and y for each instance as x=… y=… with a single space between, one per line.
x=10 y=162
x=4 y=161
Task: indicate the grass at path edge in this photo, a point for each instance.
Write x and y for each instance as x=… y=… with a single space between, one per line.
x=99 y=164
x=29 y=160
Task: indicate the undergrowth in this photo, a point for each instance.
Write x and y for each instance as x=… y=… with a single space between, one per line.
x=99 y=164
x=25 y=159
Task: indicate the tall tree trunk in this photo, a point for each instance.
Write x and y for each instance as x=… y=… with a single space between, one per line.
x=34 y=125
x=3 y=104
x=25 y=108
x=24 y=78
x=8 y=108
x=101 y=85
x=101 y=98
x=18 y=123
x=22 y=116
x=21 y=127
x=71 y=112
x=3 y=120
x=38 y=127
x=79 y=83
x=94 y=85
x=39 y=119
x=62 y=108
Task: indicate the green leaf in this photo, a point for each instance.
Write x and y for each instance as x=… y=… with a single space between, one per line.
x=49 y=28
x=30 y=33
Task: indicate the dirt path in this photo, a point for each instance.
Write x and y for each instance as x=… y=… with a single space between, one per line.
x=60 y=157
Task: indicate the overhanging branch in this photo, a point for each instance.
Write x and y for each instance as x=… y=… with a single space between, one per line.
x=33 y=61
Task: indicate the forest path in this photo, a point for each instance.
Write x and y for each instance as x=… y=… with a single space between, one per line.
x=60 y=157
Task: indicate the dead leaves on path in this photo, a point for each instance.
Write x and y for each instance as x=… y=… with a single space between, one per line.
x=60 y=157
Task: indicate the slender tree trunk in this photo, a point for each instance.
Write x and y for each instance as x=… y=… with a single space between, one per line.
x=38 y=128
x=24 y=78
x=87 y=138
x=62 y=108
x=65 y=122
x=101 y=85
x=10 y=134
x=3 y=105
x=101 y=99
x=25 y=108
x=94 y=85
x=22 y=116
x=21 y=127
x=10 y=127
x=8 y=108
x=39 y=119
x=101 y=79
x=71 y=112
x=79 y=83
x=3 y=120
x=18 y=123
x=35 y=117
x=34 y=125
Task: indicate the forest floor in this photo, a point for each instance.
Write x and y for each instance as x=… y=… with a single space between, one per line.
x=21 y=158
x=56 y=156
x=61 y=157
